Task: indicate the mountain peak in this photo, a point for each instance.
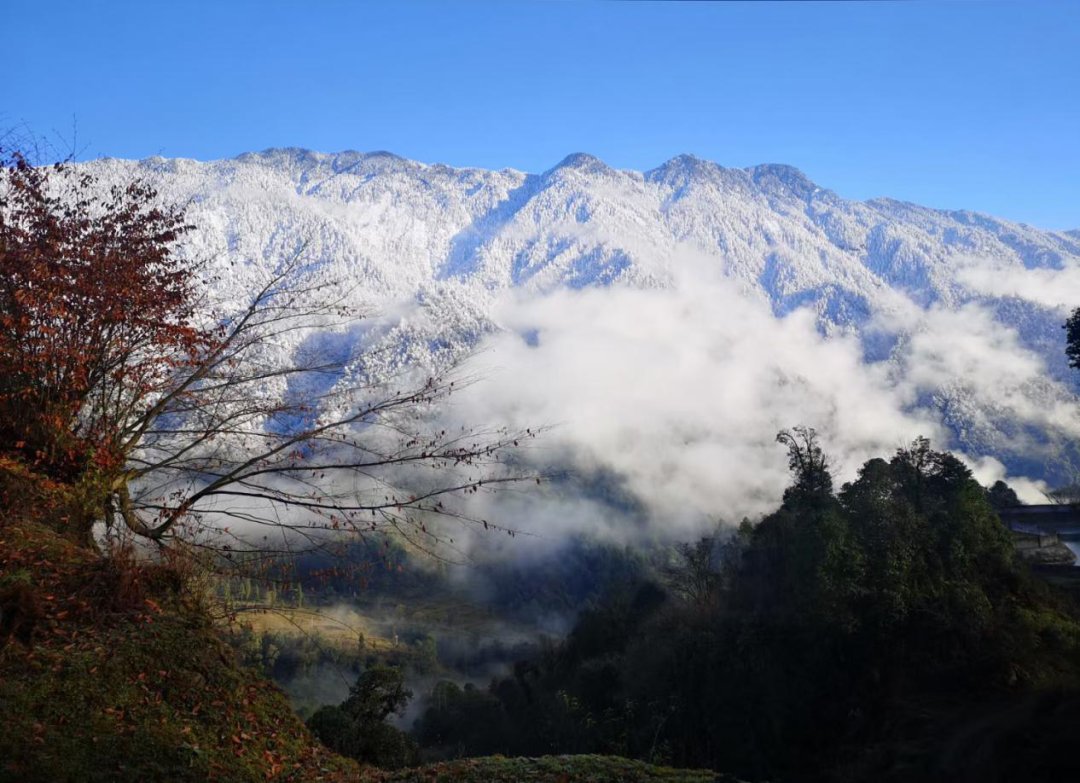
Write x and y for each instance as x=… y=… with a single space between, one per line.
x=783 y=177
x=686 y=161
x=583 y=162
x=685 y=165
x=277 y=156
x=377 y=160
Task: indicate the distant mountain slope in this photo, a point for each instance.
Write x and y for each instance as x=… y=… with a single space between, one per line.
x=396 y=226
x=439 y=252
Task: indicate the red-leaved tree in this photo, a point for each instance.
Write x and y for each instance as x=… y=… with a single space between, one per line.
x=95 y=313
x=178 y=419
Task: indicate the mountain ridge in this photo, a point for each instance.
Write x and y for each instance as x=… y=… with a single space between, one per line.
x=451 y=245
x=574 y=160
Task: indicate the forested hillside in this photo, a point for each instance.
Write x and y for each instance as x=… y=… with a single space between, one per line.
x=884 y=630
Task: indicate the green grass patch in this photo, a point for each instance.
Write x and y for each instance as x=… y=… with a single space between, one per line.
x=550 y=769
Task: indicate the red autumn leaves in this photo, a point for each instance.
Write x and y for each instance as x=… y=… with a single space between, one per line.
x=95 y=311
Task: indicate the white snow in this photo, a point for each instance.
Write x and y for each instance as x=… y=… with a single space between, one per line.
x=961 y=313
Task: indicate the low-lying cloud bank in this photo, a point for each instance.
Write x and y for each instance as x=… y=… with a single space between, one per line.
x=663 y=403
x=676 y=395
x=1056 y=288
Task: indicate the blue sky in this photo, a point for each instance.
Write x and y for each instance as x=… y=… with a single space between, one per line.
x=950 y=104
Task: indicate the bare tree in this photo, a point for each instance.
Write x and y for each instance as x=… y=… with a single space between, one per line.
x=319 y=451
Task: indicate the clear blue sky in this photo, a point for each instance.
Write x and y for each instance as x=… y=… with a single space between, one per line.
x=950 y=104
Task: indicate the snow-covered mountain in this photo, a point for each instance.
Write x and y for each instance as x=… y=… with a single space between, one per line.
x=955 y=313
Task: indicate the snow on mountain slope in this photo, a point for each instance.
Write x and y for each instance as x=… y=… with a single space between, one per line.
x=956 y=314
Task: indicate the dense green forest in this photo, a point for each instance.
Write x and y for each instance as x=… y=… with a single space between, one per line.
x=883 y=630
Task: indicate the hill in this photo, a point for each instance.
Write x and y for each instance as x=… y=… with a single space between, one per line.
x=113 y=670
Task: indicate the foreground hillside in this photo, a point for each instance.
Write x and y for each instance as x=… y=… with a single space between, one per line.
x=113 y=671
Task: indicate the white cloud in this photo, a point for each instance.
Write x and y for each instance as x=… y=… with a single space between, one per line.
x=681 y=392
x=1056 y=288
x=988 y=470
x=977 y=371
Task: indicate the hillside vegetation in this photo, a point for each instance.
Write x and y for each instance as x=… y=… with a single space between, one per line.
x=885 y=631
x=114 y=670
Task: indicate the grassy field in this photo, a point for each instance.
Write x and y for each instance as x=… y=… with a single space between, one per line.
x=341 y=627
x=385 y=628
